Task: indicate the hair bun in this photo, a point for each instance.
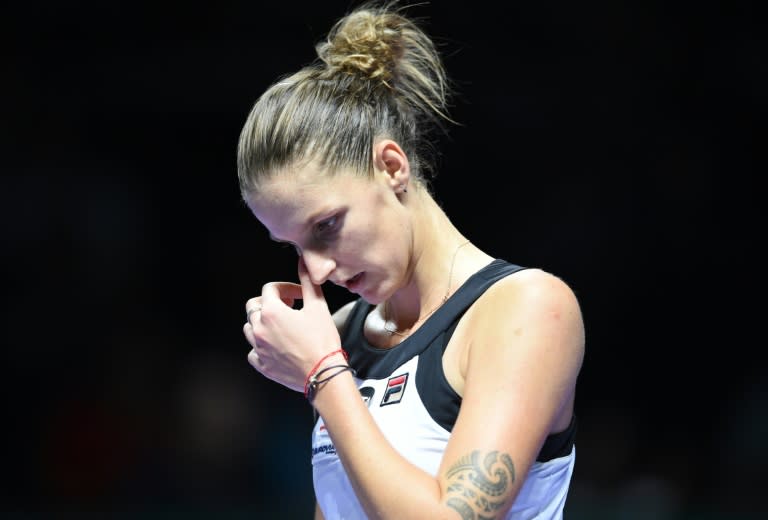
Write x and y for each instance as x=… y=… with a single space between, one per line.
x=366 y=43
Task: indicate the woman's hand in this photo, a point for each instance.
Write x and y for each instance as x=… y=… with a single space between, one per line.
x=288 y=342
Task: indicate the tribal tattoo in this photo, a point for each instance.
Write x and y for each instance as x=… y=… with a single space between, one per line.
x=478 y=484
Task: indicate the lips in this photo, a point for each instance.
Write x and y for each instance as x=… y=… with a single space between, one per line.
x=353 y=283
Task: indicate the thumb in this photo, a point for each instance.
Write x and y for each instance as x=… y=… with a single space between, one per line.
x=311 y=293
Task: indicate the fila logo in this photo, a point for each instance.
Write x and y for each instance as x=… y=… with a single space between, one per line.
x=393 y=394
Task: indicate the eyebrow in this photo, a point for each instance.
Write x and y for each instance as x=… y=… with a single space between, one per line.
x=310 y=220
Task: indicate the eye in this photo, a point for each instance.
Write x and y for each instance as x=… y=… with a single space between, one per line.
x=326 y=228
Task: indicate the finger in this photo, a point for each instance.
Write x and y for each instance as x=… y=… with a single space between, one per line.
x=312 y=294
x=252 y=310
x=253 y=302
x=286 y=292
x=254 y=360
x=289 y=292
x=249 y=336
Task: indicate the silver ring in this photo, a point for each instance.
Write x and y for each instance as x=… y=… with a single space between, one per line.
x=248 y=314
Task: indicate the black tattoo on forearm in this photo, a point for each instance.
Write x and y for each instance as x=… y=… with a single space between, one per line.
x=477 y=487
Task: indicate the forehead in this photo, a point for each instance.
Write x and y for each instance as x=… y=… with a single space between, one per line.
x=291 y=200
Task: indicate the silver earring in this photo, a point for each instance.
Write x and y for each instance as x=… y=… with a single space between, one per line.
x=405 y=188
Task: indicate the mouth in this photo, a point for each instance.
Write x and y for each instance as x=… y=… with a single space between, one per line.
x=353 y=283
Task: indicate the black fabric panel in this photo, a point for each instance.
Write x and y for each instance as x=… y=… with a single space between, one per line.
x=559 y=444
x=430 y=342
x=439 y=398
x=376 y=363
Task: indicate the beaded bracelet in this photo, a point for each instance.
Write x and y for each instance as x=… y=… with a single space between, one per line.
x=315 y=381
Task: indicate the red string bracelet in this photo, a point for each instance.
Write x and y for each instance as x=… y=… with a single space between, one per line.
x=317 y=365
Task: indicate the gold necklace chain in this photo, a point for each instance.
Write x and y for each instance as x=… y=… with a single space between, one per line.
x=427 y=315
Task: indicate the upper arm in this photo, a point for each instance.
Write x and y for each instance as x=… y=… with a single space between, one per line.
x=525 y=344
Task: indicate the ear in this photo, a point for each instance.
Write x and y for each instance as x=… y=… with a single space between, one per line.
x=390 y=159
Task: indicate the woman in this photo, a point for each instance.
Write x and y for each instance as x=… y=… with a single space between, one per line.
x=466 y=364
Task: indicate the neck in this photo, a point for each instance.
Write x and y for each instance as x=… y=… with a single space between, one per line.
x=439 y=253
x=391 y=323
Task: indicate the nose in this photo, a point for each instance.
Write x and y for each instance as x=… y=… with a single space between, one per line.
x=319 y=265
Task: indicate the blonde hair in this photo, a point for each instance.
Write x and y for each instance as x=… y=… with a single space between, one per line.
x=377 y=75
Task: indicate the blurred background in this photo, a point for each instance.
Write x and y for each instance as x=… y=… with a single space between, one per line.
x=611 y=143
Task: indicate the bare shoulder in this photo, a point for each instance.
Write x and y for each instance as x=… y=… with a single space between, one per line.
x=519 y=350
x=530 y=290
x=533 y=283
x=532 y=304
x=341 y=316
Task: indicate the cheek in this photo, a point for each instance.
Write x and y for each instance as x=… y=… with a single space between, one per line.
x=380 y=238
x=357 y=248
x=390 y=249
x=364 y=248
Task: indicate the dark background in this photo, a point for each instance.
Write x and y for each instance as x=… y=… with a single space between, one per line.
x=611 y=143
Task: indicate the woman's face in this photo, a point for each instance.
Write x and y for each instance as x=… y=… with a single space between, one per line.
x=350 y=230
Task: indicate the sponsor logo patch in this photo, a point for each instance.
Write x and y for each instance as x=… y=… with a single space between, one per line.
x=366 y=393
x=324 y=449
x=395 y=390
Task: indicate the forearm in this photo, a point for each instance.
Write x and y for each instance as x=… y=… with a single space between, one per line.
x=353 y=431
